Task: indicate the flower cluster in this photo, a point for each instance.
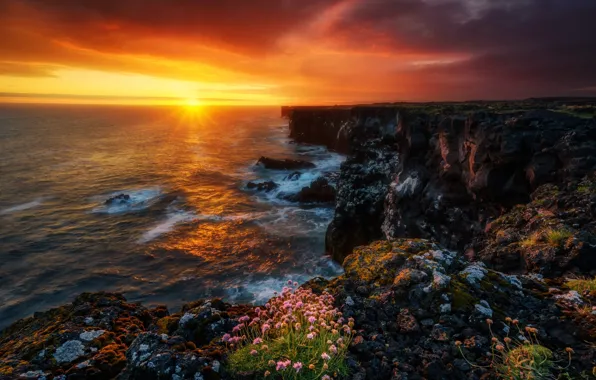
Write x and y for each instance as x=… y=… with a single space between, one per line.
x=297 y=335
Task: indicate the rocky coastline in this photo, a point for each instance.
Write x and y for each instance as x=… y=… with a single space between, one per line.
x=458 y=226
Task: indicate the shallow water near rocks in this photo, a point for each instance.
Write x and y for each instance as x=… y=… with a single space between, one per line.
x=190 y=228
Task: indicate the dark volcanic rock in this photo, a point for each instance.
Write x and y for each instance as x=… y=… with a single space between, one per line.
x=457 y=173
x=422 y=298
x=293 y=177
x=285 y=164
x=338 y=127
x=319 y=191
x=361 y=191
x=101 y=336
x=553 y=234
x=87 y=338
x=262 y=186
x=444 y=175
x=118 y=199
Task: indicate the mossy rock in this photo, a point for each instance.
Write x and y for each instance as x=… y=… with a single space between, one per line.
x=379 y=262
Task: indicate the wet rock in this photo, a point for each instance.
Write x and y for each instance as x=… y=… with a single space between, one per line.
x=118 y=199
x=284 y=164
x=262 y=186
x=319 y=191
x=293 y=177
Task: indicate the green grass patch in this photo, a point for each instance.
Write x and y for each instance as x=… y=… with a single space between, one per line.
x=526 y=361
x=582 y=285
x=557 y=237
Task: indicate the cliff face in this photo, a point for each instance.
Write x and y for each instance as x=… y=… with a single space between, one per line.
x=445 y=173
x=338 y=127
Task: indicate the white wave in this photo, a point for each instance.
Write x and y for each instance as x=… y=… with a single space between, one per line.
x=260 y=291
x=139 y=199
x=326 y=163
x=296 y=221
x=168 y=225
x=179 y=217
x=23 y=206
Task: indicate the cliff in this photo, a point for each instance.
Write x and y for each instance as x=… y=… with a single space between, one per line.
x=448 y=171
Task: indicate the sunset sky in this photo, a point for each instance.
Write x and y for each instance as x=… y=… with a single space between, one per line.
x=294 y=51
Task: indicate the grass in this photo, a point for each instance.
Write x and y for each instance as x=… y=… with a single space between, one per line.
x=582 y=285
x=527 y=361
x=519 y=355
x=556 y=237
x=532 y=240
x=297 y=336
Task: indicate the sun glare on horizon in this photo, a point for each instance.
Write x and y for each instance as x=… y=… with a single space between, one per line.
x=192 y=102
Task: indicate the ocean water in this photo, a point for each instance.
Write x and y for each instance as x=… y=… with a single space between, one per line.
x=191 y=229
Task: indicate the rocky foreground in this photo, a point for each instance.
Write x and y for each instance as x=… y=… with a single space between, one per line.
x=456 y=224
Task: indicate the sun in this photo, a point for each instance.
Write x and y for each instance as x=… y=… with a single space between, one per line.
x=192 y=102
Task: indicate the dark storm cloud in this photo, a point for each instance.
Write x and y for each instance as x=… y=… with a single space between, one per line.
x=547 y=44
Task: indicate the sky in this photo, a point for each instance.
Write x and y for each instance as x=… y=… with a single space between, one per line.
x=258 y=52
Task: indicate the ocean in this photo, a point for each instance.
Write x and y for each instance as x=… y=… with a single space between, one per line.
x=191 y=229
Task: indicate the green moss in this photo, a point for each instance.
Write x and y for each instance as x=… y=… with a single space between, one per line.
x=462 y=299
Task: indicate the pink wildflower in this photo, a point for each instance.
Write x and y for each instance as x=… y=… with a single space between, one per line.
x=325 y=377
x=254 y=352
x=310 y=336
x=299 y=304
x=289 y=282
x=257 y=341
x=243 y=319
x=312 y=320
x=325 y=356
x=297 y=366
x=265 y=328
x=333 y=349
x=226 y=338
x=282 y=365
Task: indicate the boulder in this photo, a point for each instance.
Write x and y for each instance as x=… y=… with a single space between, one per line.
x=319 y=191
x=284 y=164
x=118 y=199
x=262 y=186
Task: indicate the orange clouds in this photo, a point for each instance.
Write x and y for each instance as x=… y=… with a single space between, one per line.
x=296 y=51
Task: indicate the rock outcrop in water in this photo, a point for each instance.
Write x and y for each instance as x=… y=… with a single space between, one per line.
x=266 y=186
x=319 y=191
x=118 y=199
